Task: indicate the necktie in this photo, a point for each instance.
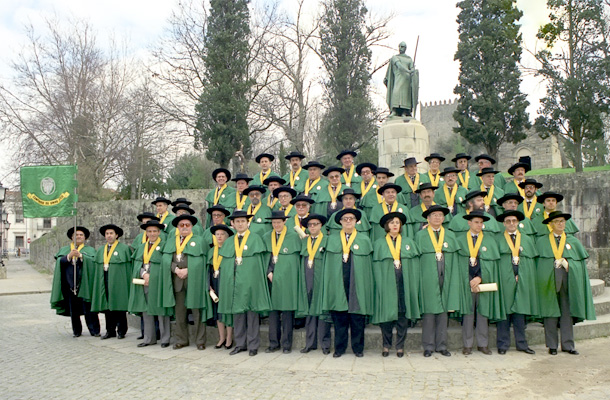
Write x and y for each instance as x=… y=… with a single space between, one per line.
x=557 y=239
x=239 y=239
x=513 y=236
x=437 y=234
x=412 y=179
x=474 y=238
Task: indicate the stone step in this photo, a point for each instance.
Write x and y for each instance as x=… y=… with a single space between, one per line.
x=597 y=287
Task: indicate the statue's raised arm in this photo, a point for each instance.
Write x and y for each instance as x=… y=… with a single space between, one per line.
x=402 y=81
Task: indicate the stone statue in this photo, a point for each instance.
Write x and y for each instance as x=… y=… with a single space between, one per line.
x=402 y=81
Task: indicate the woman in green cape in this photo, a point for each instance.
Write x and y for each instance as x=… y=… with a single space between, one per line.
x=224 y=322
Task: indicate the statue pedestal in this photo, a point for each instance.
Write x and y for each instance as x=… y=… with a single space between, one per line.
x=400 y=138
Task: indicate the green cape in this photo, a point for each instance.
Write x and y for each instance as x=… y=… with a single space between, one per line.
x=256 y=179
x=417 y=219
x=543 y=229
x=119 y=279
x=441 y=199
x=58 y=303
x=377 y=231
x=322 y=200
x=259 y=224
x=299 y=182
x=458 y=225
x=304 y=307
x=363 y=226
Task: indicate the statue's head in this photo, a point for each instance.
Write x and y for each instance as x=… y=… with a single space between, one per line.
x=402 y=47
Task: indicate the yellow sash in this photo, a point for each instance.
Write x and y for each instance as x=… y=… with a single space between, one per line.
x=218 y=193
x=240 y=203
x=490 y=194
x=297 y=222
x=287 y=210
x=558 y=251
x=545 y=216
x=277 y=244
x=450 y=197
x=464 y=179
x=144 y=238
x=529 y=211
x=312 y=248
x=253 y=212
x=216 y=259
x=415 y=185
x=162 y=217
x=334 y=194
x=521 y=191
x=108 y=254
x=239 y=248
x=347 y=245
x=474 y=250
x=80 y=246
x=310 y=185
x=348 y=177
x=384 y=206
x=181 y=246
x=437 y=244
x=514 y=248
x=293 y=176
x=394 y=250
x=365 y=190
x=434 y=181
x=424 y=208
x=272 y=204
x=264 y=176
x=149 y=250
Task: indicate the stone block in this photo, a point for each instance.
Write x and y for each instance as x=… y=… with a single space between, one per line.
x=399 y=139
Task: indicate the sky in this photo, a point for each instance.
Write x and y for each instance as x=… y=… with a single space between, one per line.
x=142 y=22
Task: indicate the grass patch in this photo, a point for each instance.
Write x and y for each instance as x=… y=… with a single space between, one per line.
x=557 y=171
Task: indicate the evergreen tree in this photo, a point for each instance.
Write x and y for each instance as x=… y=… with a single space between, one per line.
x=491 y=108
x=348 y=122
x=576 y=65
x=223 y=106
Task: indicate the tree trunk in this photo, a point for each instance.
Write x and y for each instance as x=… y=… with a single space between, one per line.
x=578 y=165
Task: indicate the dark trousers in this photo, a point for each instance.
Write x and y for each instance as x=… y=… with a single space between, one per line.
x=343 y=322
x=434 y=331
x=80 y=307
x=116 y=322
x=564 y=321
x=401 y=324
x=281 y=325
x=182 y=327
x=314 y=328
x=503 y=329
x=246 y=327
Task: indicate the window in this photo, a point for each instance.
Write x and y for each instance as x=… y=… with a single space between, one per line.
x=19 y=241
x=46 y=223
x=19 y=217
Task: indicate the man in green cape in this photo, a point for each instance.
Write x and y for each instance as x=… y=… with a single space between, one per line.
x=264 y=161
x=301 y=204
x=222 y=193
x=348 y=200
x=549 y=202
x=143 y=219
x=464 y=176
x=311 y=281
x=284 y=195
x=297 y=176
x=367 y=188
x=315 y=181
x=396 y=282
x=350 y=176
x=327 y=201
x=410 y=181
x=486 y=161
x=474 y=201
x=73 y=281
x=530 y=192
x=272 y=183
x=518 y=171
x=282 y=258
x=451 y=194
x=217 y=215
x=186 y=255
x=478 y=263
x=111 y=282
x=564 y=289
x=440 y=289
x=417 y=220
x=243 y=284
x=239 y=201
x=434 y=161
x=348 y=282
x=511 y=202
x=165 y=217
x=493 y=193
x=517 y=285
x=151 y=291
x=185 y=209
x=258 y=211
x=390 y=204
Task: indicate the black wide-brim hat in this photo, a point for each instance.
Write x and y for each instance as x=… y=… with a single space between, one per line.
x=161 y=200
x=294 y=154
x=311 y=164
x=389 y=186
x=390 y=216
x=240 y=214
x=241 y=177
x=459 y=156
x=179 y=218
x=530 y=181
x=277 y=179
x=360 y=166
x=147 y=214
x=434 y=208
x=221 y=227
x=485 y=171
x=485 y=157
x=153 y=223
x=513 y=167
x=556 y=214
x=333 y=169
x=509 y=196
x=354 y=211
x=310 y=217
x=84 y=230
x=349 y=191
x=271 y=157
x=115 y=228
x=476 y=214
x=277 y=214
x=281 y=189
x=435 y=155
x=181 y=200
x=511 y=213
x=424 y=186
x=183 y=206
x=219 y=170
x=254 y=188
x=471 y=195
x=302 y=197
x=346 y=152
x=384 y=170
x=547 y=195
x=218 y=207
x=450 y=170
x=409 y=161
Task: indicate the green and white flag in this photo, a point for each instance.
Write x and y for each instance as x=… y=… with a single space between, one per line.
x=48 y=191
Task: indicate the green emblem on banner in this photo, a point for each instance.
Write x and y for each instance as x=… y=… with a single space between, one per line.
x=48 y=191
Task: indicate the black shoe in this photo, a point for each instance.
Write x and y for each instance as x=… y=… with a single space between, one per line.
x=75 y=335
x=220 y=346
x=400 y=354
x=427 y=353
x=96 y=335
x=108 y=336
x=179 y=346
x=326 y=351
x=229 y=346
x=502 y=351
x=236 y=350
x=573 y=352
x=141 y=337
x=272 y=349
x=445 y=353
x=286 y=351
x=385 y=353
x=359 y=355
x=144 y=344
x=528 y=351
x=164 y=345
x=337 y=355
x=305 y=350
x=253 y=353
x=121 y=336
x=553 y=352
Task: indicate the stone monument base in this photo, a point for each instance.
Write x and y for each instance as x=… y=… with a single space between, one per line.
x=400 y=138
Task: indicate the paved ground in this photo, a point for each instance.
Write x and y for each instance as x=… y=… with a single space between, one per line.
x=39 y=359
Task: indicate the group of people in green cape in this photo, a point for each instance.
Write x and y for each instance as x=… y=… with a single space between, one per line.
x=341 y=247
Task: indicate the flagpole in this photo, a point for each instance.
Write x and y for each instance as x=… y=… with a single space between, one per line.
x=74 y=234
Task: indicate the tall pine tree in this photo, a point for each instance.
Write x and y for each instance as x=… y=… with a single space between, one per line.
x=491 y=108
x=221 y=126
x=349 y=121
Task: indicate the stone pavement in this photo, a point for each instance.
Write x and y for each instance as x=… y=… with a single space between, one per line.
x=39 y=359
x=22 y=278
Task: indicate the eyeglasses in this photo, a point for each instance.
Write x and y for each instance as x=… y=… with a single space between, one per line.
x=347 y=219
x=311 y=224
x=301 y=205
x=284 y=196
x=184 y=225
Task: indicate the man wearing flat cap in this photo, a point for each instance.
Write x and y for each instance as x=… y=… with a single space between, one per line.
x=222 y=193
x=161 y=206
x=451 y=194
x=257 y=211
x=112 y=280
x=549 y=201
x=297 y=176
x=73 y=281
x=264 y=161
x=410 y=181
x=564 y=290
x=349 y=176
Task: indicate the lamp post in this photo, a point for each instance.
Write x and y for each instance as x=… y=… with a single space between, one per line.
x=4 y=218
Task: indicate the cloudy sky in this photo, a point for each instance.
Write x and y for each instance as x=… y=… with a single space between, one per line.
x=141 y=22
